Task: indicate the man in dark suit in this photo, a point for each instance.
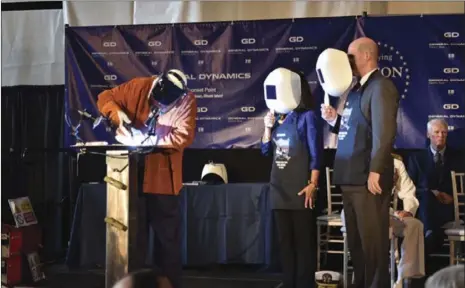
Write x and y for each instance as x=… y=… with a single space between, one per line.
x=363 y=165
x=430 y=170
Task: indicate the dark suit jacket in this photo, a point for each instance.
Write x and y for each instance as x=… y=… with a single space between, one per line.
x=421 y=170
x=379 y=104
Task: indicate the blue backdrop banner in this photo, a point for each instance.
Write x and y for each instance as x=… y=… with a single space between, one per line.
x=227 y=62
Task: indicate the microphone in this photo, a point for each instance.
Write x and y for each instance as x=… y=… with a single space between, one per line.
x=74 y=128
x=151 y=121
x=96 y=120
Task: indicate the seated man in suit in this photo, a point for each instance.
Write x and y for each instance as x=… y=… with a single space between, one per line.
x=430 y=172
x=405 y=225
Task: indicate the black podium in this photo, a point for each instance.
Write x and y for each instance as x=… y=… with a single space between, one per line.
x=122 y=230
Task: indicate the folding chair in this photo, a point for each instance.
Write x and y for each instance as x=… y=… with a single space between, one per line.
x=330 y=220
x=457 y=233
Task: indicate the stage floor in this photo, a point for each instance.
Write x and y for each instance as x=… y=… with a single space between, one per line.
x=59 y=276
x=224 y=276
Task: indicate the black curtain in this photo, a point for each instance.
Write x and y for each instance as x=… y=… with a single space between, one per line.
x=33 y=163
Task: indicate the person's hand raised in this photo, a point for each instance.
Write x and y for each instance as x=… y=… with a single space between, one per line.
x=269 y=119
x=328 y=113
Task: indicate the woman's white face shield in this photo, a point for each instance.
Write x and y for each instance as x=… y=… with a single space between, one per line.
x=282 y=90
x=334 y=72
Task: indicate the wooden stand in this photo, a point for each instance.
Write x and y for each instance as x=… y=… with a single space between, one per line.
x=122 y=202
x=123 y=254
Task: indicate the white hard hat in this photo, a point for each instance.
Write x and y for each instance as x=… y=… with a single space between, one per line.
x=216 y=170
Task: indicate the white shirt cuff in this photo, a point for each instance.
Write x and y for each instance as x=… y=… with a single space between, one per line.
x=333 y=122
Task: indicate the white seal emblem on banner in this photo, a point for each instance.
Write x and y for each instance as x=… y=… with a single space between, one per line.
x=393 y=65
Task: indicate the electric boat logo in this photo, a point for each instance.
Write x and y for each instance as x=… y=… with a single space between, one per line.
x=394 y=66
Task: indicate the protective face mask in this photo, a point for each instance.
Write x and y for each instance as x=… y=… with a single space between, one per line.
x=282 y=90
x=334 y=72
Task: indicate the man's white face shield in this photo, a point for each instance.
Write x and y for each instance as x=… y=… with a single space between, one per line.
x=169 y=89
x=334 y=72
x=282 y=90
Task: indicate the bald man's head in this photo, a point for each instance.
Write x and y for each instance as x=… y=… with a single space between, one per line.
x=144 y=279
x=365 y=55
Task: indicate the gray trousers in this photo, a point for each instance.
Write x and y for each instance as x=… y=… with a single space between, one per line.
x=412 y=261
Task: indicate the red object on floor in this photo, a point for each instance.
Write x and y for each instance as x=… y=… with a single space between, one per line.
x=23 y=239
x=11 y=241
x=16 y=243
x=12 y=269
